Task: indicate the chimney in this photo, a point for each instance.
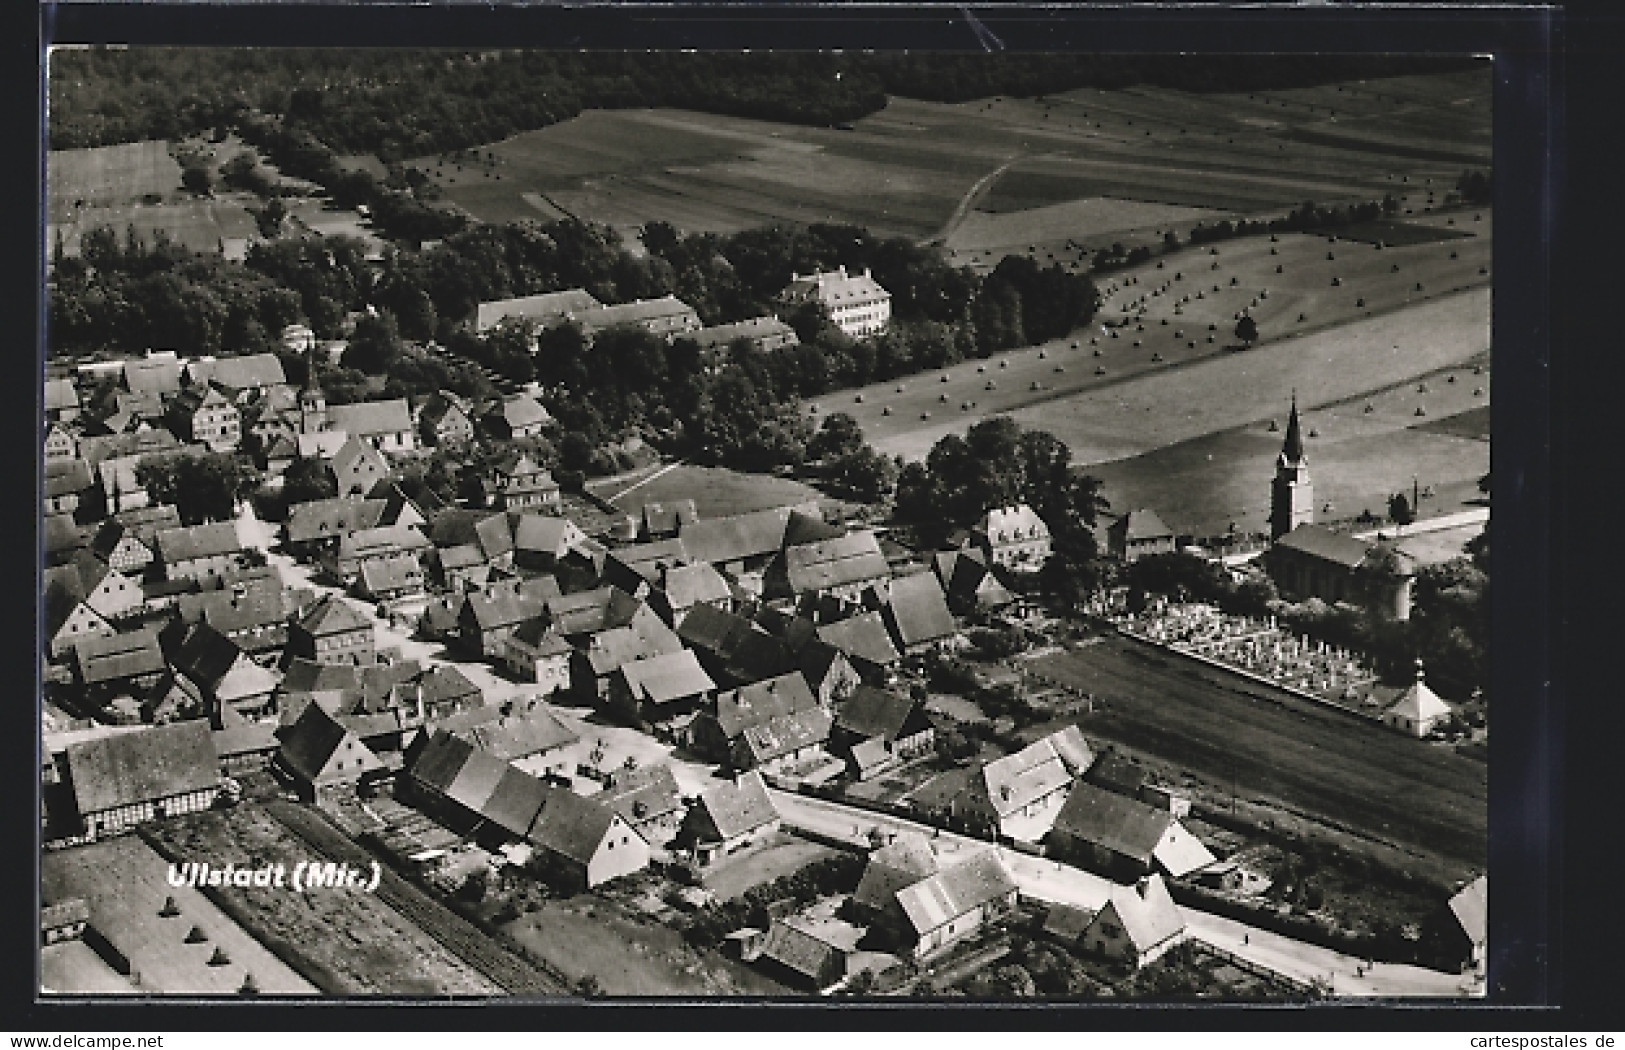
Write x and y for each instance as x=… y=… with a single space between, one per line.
x=841 y=269
x=866 y=271
x=1143 y=886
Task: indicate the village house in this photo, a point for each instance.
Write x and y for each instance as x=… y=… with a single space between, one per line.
x=828 y=671
x=116 y=597
x=126 y=540
x=201 y=552
x=524 y=730
x=841 y=569
x=727 y=818
x=1139 y=534
x=489 y=534
x=120 y=781
x=319 y=755
x=452 y=780
x=903 y=861
x=246 y=748
x=445 y=418
x=970 y=586
x=916 y=613
x=319 y=525
x=679 y=590
x=858 y=305
x=742 y=546
x=332 y=633
x=385 y=542
x=667 y=316
x=1123 y=838
x=157 y=373
x=490 y=617
x=648 y=800
x=582 y=843
x=209 y=673
x=865 y=641
x=385 y=425
x=66 y=483
x=61 y=401
x=1417 y=710
x=68 y=620
x=526 y=485
x=1467 y=937
x=396 y=578
x=358 y=468
x=657 y=689
x=542 y=542
x=811 y=952
x=1138 y=924
x=1021 y=795
x=205 y=416
x=790 y=745
x=547 y=309
x=246 y=374
x=665 y=520
x=60 y=444
x=636 y=567
x=592 y=666
x=877 y=730
x=536 y=653
x=127 y=660
x=444 y=689
x=958 y=900
x=1013 y=538
x=254 y=613
x=515 y=416
x=120 y=477
x=717 y=730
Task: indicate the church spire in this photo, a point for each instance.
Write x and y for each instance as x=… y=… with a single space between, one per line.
x=1292 y=448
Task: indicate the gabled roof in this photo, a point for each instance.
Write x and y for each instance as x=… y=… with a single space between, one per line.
x=309 y=676
x=245 y=739
x=515 y=801
x=205 y=656
x=1145 y=911
x=494 y=534
x=545 y=308
x=145 y=766
x=60 y=533
x=540 y=636
x=1113 y=771
x=65 y=476
x=642 y=794
x=760 y=702
x=1115 y=822
x=497 y=607
x=666 y=677
x=157 y=375
x=754 y=328
x=644 y=559
x=125 y=655
x=330 y=518
x=356 y=460
x=60 y=394
x=256 y=603
x=546 y=534
x=967 y=580
x=668 y=516
x=1142 y=524
x=713 y=630
x=1320 y=542
x=904 y=861
x=719 y=540
x=522 y=410
x=639 y=311
x=333 y=615
x=531 y=731
x=609 y=650
x=365 y=542
x=198 y=541
x=590 y=612
x=1419 y=703
x=862 y=637
x=852 y=558
x=1035 y=771
x=872 y=712
x=444 y=684
x=146 y=522
x=757 y=654
x=438 y=761
x=571 y=826
x=686 y=586
x=804 y=527
x=792 y=944
x=787 y=733
x=242 y=372
x=1471 y=909
x=919 y=609
x=365 y=418
x=308 y=745
x=391 y=573
x=954 y=891
x=1015 y=524
x=120 y=446
x=740 y=807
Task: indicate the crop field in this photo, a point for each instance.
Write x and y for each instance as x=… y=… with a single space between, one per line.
x=78 y=178
x=125 y=883
x=358 y=944
x=717 y=492
x=628 y=954
x=913 y=167
x=1305 y=757
x=1011 y=233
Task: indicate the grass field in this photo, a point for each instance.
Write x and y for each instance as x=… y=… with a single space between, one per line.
x=76 y=178
x=630 y=955
x=786 y=856
x=361 y=945
x=200 y=225
x=716 y=491
x=1361 y=776
x=906 y=169
x=124 y=882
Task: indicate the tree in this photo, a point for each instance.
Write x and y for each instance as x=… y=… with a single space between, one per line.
x=269 y=218
x=837 y=436
x=866 y=474
x=307 y=480
x=202 y=487
x=1400 y=510
x=195 y=179
x=375 y=346
x=1247 y=329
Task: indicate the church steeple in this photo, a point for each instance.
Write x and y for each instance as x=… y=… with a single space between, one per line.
x=1292 y=495
x=312 y=401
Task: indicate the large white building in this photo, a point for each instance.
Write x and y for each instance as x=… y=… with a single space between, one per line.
x=857 y=304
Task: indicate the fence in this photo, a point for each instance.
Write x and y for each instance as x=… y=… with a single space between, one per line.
x=1263 y=973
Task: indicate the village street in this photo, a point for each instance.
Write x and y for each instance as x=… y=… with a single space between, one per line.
x=1049 y=881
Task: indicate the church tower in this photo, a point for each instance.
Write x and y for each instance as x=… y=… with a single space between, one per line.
x=1292 y=496
x=312 y=402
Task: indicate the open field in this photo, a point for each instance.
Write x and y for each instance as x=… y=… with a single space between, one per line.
x=201 y=225
x=354 y=939
x=630 y=955
x=76 y=178
x=1430 y=548
x=786 y=856
x=73 y=967
x=1011 y=233
x=906 y=169
x=716 y=491
x=1311 y=759
x=125 y=882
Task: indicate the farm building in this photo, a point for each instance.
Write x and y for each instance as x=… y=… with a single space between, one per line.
x=1138 y=534
x=1013 y=538
x=944 y=908
x=865 y=641
x=522 y=731
x=244 y=374
x=659 y=688
x=67 y=618
x=322 y=523
x=592 y=667
x=827 y=670
x=450 y=778
x=128 y=660
x=66 y=482
x=1122 y=837
x=157 y=373
x=246 y=748
x=1312 y=561
x=679 y=590
x=1138 y=923
x=764 y=334
x=728 y=818
x=201 y=552
x=332 y=633
x=444 y=418
x=125 y=541
x=124 y=780
x=840 y=569
x=61 y=401
x=716 y=730
x=877 y=729
x=1021 y=795
x=537 y=653
x=666 y=520
x=636 y=567
x=1417 y=710
x=968 y=583
x=385 y=425
x=916 y=613
x=648 y=800
x=395 y=578
x=547 y=309
x=667 y=316
x=215 y=676
x=318 y=754
x=583 y=842
x=516 y=416
x=115 y=596
x=253 y=613
x=384 y=542
x=357 y=467
x=741 y=546
x=813 y=953
x=857 y=304
x=490 y=617
x=905 y=860
x=788 y=745
x=542 y=542
x=444 y=690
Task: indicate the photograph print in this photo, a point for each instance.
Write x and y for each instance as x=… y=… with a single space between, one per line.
x=544 y=524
